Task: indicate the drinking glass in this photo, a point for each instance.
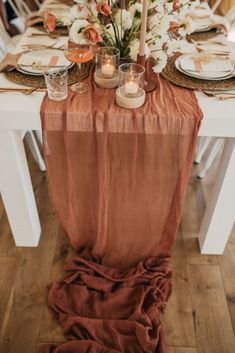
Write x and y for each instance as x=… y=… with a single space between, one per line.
x=78 y=54
x=57 y=84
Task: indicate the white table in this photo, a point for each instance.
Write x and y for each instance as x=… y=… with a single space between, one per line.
x=19 y=112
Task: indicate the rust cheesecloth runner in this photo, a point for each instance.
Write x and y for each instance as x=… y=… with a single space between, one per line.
x=117 y=180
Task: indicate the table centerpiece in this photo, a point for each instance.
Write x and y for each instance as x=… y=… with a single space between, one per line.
x=118 y=24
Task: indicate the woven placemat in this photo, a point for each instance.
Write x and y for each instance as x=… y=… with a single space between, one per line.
x=171 y=74
x=38 y=81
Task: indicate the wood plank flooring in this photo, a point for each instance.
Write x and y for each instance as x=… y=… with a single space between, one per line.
x=200 y=316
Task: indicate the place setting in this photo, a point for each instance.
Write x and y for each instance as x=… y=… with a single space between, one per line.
x=29 y=67
x=206 y=66
x=201 y=71
x=207 y=24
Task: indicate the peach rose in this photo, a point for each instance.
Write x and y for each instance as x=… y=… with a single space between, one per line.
x=173 y=26
x=91 y=34
x=103 y=8
x=50 y=22
x=176 y=5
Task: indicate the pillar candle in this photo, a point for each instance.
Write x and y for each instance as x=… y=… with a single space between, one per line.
x=143 y=27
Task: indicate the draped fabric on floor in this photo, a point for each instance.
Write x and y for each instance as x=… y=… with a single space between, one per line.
x=117 y=180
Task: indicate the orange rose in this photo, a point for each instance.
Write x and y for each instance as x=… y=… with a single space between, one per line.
x=50 y=22
x=103 y=8
x=176 y=5
x=91 y=34
x=173 y=26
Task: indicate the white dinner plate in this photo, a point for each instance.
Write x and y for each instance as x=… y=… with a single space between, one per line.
x=29 y=63
x=211 y=76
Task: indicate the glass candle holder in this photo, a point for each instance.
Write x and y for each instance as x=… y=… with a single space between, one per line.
x=107 y=63
x=130 y=93
x=131 y=79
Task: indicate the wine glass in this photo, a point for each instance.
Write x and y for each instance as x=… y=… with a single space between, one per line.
x=78 y=54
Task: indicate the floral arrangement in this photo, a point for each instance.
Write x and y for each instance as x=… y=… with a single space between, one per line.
x=117 y=24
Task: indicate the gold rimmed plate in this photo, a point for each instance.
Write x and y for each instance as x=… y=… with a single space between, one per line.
x=208 y=75
x=37 y=61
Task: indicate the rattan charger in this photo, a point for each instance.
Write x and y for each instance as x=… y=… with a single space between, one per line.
x=171 y=74
x=39 y=82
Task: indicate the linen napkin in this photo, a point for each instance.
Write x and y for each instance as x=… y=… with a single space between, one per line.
x=35 y=18
x=210 y=22
x=43 y=58
x=9 y=62
x=206 y=63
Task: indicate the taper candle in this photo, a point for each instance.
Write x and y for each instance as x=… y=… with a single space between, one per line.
x=143 y=27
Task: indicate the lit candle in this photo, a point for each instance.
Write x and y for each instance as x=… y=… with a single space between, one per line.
x=131 y=87
x=107 y=69
x=143 y=28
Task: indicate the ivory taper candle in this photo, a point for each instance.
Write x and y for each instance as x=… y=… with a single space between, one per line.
x=143 y=28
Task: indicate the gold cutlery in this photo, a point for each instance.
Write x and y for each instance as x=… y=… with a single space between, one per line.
x=60 y=8
x=205 y=42
x=211 y=41
x=219 y=52
x=219 y=95
x=25 y=91
x=40 y=67
x=51 y=35
x=43 y=46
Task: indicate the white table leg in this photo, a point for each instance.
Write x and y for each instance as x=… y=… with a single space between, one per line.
x=16 y=190
x=220 y=212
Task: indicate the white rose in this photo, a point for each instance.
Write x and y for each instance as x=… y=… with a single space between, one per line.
x=74 y=33
x=124 y=18
x=161 y=61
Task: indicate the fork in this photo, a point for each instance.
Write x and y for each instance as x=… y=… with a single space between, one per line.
x=25 y=91
x=221 y=96
x=43 y=46
x=51 y=35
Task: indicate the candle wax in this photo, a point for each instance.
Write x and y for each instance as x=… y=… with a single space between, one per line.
x=107 y=69
x=131 y=87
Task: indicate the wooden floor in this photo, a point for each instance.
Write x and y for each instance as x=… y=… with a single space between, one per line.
x=200 y=317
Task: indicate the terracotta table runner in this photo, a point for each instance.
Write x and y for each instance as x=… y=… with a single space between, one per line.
x=117 y=180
